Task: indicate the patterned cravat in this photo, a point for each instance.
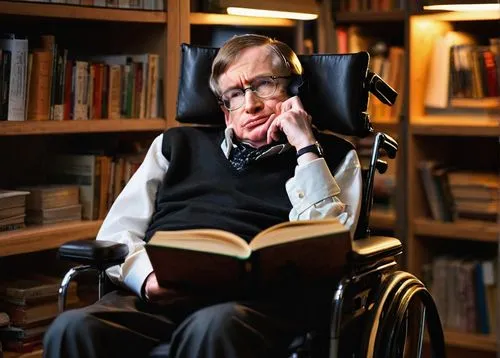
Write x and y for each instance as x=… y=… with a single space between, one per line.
x=242 y=155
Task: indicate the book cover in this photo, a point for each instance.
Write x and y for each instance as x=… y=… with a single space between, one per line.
x=51 y=196
x=199 y=258
x=18 y=48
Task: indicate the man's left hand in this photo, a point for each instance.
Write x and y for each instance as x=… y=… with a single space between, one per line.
x=291 y=119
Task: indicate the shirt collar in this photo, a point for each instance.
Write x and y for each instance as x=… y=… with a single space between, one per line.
x=227 y=145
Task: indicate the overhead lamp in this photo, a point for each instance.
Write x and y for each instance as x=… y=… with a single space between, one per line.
x=463 y=5
x=244 y=11
x=283 y=9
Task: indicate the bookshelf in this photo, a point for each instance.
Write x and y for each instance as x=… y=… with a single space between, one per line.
x=358 y=31
x=27 y=145
x=46 y=237
x=371 y=16
x=74 y=12
x=464 y=138
x=458 y=125
x=34 y=354
x=83 y=30
x=94 y=126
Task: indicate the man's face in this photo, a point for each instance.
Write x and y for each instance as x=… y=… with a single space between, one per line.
x=251 y=121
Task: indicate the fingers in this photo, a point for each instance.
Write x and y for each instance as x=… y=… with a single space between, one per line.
x=274 y=129
x=292 y=103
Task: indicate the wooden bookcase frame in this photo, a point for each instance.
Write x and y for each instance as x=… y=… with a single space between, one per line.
x=423 y=233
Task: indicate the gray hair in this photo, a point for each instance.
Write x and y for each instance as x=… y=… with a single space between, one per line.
x=285 y=61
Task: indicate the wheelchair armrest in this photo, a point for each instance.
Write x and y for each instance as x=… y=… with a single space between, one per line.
x=97 y=253
x=375 y=248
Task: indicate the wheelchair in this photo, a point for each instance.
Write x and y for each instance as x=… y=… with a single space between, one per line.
x=376 y=309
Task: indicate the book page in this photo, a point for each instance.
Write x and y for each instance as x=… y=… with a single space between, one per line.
x=296 y=230
x=204 y=240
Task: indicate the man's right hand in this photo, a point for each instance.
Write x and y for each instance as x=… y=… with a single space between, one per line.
x=157 y=294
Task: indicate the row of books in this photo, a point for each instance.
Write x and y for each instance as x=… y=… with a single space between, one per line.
x=386 y=61
x=40 y=204
x=82 y=186
x=370 y=5
x=473 y=72
x=43 y=83
x=12 y=209
x=454 y=194
x=152 y=5
x=461 y=68
x=100 y=177
x=464 y=290
x=28 y=304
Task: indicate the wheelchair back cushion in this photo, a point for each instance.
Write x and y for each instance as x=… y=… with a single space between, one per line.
x=334 y=91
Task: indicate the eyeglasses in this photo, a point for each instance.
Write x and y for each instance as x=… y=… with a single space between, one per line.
x=263 y=87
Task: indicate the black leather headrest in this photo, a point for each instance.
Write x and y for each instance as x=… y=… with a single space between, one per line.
x=334 y=92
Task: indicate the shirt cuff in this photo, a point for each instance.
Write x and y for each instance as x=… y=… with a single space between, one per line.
x=312 y=183
x=135 y=270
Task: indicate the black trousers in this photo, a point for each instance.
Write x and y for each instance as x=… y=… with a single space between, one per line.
x=123 y=325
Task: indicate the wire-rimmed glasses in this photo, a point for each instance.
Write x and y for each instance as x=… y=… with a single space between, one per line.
x=263 y=87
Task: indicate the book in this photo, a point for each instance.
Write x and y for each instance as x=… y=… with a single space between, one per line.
x=202 y=258
x=54 y=215
x=7 y=213
x=16 y=104
x=4 y=83
x=85 y=171
x=12 y=198
x=437 y=92
x=51 y=196
x=4 y=319
x=39 y=90
x=22 y=335
x=35 y=314
x=31 y=289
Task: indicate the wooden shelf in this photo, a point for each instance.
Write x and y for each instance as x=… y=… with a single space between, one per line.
x=62 y=11
x=385 y=124
x=199 y=18
x=369 y=16
x=478 y=103
x=35 y=354
x=380 y=219
x=38 y=238
x=471 y=341
x=83 y=126
x=459 y=125
x=473 y=230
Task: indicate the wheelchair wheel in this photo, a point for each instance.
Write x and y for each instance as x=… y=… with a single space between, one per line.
x=397 y=319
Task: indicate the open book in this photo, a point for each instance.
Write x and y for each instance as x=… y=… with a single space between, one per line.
x=209 y=257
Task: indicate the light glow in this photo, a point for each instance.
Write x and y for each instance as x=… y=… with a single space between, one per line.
x=464 y=7
x=243 y=11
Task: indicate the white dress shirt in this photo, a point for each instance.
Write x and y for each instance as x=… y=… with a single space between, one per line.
x=313 y=192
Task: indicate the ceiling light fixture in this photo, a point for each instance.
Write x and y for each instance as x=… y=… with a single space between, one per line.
x=464 y=5
x=243 y=11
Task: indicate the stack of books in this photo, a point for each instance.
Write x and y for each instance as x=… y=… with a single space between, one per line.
x=4 y=322
x=49 y=204
x=475 y=194
x=12 y=209
x=31 y=304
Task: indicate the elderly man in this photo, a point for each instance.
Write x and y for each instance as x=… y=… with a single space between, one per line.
x=270 y=165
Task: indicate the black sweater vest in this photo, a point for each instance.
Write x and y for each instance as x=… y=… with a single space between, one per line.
x=202 y=190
